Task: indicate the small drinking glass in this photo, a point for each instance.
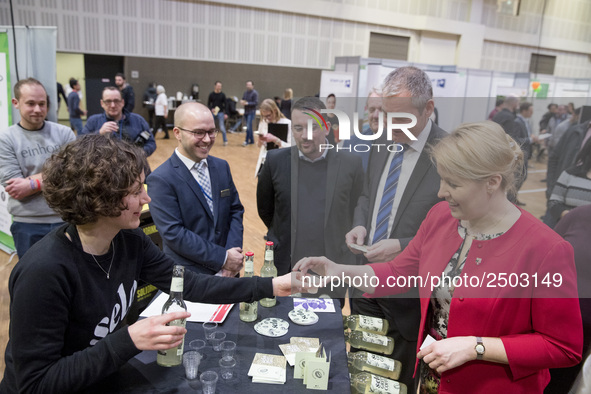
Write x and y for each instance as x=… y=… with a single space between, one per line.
x=228 y=348
x=209 y=328
x=227 y=368
x=216 y=340
x=209 y=380
x=191 y=361
x=198 y=345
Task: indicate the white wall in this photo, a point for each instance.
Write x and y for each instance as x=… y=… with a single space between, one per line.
x=311 y=33
x=437 y=48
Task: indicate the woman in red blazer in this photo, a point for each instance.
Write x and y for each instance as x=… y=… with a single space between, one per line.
x=498 y=287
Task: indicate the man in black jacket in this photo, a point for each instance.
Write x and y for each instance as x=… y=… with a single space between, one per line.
x=306 y=195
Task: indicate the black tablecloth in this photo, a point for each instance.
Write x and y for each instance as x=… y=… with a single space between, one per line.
x=143 y=375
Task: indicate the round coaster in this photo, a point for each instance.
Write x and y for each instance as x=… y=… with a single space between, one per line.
x=303 y=317
x=272 y=327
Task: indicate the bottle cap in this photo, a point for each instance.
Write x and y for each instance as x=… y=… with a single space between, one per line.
x=269 y=243
x=249 y=254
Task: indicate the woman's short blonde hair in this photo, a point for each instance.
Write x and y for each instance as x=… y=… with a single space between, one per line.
x=288 y=94
x=476 y=151
x=269 y=105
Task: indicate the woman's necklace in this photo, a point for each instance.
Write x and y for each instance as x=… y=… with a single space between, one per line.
x=476 y=234
x=110 y=265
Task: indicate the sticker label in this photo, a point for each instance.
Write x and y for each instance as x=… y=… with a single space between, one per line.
x=371 y=323
x=380 y=362
x=380 y=385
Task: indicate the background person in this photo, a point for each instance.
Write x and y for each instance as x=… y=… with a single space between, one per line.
x=488 y=340
x=116 y=120
x=126 y=91
x=161 y=111
x=250 y=100
x=71 y=293
x=74 y=106
x=270 y=114
x=333 y=136
x=150 y=96
x=21 y=174
x=573 y=187
x=285 y=106
x=216 y=102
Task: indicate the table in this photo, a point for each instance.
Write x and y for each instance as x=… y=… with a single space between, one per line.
x=143 y=375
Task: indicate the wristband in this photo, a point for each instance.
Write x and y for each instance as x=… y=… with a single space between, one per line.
x=38 y=184
x=32 y=184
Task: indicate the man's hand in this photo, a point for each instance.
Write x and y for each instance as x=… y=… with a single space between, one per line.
x=19 y=188
x=109 y=127
x=153 y=333
x=357 y=237
x=383 y=251
x=228 y=274
x=234 y=261
x=243 y=102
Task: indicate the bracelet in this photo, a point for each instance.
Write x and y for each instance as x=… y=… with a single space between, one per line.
x=32 y=184
x=38 y=183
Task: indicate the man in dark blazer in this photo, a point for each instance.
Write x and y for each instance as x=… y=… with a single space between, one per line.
x=195 y=204
x=306 y=196
x=405 y=90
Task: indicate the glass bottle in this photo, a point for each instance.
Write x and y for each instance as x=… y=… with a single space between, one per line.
x=269 y=271
x=372 y=342
x=378 y=365
x=366 y=323
x=249 y=310
x=365 y=383
x=174 y=356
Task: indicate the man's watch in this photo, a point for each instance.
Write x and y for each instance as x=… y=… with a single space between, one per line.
x=479 y=348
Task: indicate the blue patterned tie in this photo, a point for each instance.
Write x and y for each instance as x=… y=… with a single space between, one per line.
x=388 y=197
x=204 y=183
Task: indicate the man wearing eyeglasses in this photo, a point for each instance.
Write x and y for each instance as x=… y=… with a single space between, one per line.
x=119 y=122
x=195 y=204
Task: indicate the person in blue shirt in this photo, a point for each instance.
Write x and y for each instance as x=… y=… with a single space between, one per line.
x=250 y=99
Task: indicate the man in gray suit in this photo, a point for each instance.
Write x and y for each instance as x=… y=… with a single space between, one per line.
x=399 y=190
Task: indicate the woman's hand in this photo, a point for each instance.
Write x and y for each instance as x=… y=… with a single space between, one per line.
x=270 y=138
x=291 y=283
x=448 y=353
x=153 y=333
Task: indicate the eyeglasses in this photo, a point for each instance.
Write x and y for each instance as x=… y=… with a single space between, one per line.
x=200 y=134
x=110 y=102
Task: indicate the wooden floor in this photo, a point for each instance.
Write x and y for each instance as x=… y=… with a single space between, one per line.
x=242 y=163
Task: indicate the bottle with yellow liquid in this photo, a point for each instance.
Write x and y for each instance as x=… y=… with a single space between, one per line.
x=372 y=363
x=249 y=310
x=269 y=271
x=175 y=303
x=369 y=341
x=366 y=383
x=366 y=323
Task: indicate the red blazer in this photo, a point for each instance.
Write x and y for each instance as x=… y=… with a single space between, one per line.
x=540 y=325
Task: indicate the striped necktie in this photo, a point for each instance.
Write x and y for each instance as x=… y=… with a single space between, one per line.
x=204 y=182
x=390 y=187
